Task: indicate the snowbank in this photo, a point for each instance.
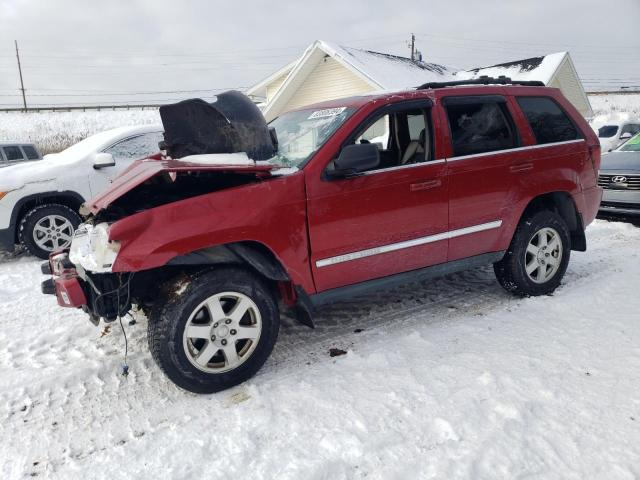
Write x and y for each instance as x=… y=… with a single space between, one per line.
x=451 y=378
x=52 y=132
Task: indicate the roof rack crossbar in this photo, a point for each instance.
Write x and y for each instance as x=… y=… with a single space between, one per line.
x=483 y=80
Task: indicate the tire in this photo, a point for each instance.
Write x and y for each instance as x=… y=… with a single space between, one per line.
x=528 y=269
x=48 y=228
x=202 y=363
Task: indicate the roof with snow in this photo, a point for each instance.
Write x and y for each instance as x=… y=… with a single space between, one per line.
x=534 y=68
x=303 y=81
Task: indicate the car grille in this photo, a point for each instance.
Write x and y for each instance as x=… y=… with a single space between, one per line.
x=632 y=182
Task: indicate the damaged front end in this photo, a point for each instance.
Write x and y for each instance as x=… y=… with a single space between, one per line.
x=208 y=148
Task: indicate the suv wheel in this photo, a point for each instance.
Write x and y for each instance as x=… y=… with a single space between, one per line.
x=48 y=228
x=537 y=257
x=214 y=331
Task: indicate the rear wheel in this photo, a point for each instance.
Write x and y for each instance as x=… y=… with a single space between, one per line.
x=214 y=331
x=48 y=228
x=537 y=257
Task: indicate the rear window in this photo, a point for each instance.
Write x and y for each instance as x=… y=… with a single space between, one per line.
x=548 y=121
x=30 y=152
x=607 y=131
x=12 y=153
x=480 y=127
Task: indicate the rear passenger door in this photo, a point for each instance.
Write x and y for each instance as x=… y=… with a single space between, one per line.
x=482 y=137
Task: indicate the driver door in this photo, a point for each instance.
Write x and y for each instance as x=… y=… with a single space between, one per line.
x=386 y=220
x=124 y=153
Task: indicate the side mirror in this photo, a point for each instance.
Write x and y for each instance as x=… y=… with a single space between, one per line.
x=625 y=136
x=102 y=160
x=355 y=159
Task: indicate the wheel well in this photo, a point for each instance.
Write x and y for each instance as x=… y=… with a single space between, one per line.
x=252 y=254
x=562 y=204
x=68 y=199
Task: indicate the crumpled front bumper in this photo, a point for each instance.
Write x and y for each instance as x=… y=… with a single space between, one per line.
x=65 y=283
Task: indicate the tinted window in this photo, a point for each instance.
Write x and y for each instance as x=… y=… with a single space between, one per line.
x=479 y=127
x=607 y=131
x=30 y=152
x=137 y=147
x=548 y=122
x=13 y=153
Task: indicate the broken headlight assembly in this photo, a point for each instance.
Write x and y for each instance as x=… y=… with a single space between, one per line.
x=92 y=249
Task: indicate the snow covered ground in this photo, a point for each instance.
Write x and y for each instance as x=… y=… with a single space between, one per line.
x=55 y=131
x=448 y=379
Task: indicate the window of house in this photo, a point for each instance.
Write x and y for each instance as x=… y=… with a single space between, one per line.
x=137 y=147
x=480 y=127
x=547 y=120
x=30 y=152
x=13 y=153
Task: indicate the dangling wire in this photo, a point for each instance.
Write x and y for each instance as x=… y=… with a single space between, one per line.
x=125 y=365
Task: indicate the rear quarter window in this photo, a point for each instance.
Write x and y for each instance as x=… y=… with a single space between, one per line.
x=550 y=124
x=30 y=152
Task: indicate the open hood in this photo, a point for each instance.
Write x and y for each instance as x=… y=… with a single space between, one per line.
x=143 y=170
x=231 y=124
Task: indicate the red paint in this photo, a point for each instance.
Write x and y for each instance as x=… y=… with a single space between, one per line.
x=302 y=218
x=69 y=291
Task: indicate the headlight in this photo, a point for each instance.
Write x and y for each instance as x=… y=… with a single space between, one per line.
x=2 y=194
x=92 y=249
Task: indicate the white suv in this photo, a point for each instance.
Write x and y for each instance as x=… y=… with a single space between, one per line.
x=612 y=135
x=39 y=201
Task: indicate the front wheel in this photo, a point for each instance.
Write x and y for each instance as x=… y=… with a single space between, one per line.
x=537 y=257
x=214 y=331
x=48 y=228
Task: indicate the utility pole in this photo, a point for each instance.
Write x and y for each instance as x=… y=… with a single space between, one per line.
x=413 y=48
x=24 y=98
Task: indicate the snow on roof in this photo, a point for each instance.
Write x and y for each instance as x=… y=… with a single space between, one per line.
x=535 y=68
x=389 y=72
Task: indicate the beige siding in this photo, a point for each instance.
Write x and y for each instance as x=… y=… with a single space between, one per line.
x=273 y=87
x=328 y=80
x=566 y=81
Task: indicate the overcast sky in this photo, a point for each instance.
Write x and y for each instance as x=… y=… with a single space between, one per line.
x=87 y=51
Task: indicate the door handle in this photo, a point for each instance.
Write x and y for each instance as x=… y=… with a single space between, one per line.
x=521 y=167
x=426 y=185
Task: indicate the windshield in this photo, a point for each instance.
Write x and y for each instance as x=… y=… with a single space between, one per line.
x=301 y=133
x=632 y=145
x=607 y=131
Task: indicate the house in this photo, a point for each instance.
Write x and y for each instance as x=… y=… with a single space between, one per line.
x=326 y=71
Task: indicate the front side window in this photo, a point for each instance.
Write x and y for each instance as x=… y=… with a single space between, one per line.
x=137 y=147
x=480 y=127
x=13 y=153
x=30 y=152
x=631 y=128
x=301 y=133
x=548 y=121
x=607 y=131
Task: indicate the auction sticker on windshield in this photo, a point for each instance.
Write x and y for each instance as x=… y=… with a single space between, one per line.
x=327 y=112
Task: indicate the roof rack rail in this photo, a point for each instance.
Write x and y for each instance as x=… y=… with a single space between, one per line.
x=483 y=80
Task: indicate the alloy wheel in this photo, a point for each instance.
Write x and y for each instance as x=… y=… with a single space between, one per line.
x=222 y=332
x=543 y=255
x=53 y=232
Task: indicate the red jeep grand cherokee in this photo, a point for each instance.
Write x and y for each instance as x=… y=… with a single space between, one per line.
x=241 y=218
